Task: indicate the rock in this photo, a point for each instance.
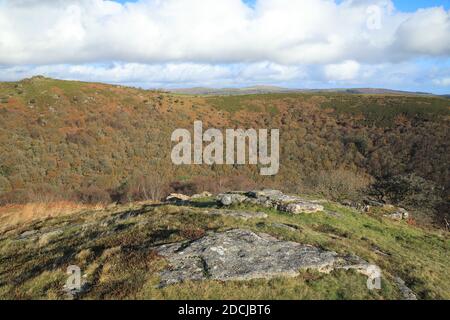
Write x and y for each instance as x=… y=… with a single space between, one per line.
x=28 y=234
x=264 y=193
x=400 y=214
x=271 y=199
x=244 y=255
x=301 y=207
x=204 y=194
x=373 y=203
x=177 y=197
x=244 y=215
x=47 y=238
x=289 y=227
x=227 y=199
x=407 y=293
x=404 y=213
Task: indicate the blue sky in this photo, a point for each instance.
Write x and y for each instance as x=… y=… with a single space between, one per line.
x=403 y=5
x=223 y=43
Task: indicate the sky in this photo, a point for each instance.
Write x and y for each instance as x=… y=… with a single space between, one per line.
x=400 y=44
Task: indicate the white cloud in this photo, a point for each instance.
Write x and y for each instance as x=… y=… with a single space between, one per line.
x=162 y=75
x=220 y=31
x=159 y=43
x=444 y=82
x=348 y=70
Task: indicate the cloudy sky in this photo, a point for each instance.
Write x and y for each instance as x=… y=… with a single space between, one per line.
x=396 y=44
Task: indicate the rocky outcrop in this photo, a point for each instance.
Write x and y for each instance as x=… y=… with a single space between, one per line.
x=271 y=199
x=399 y=214
x=244 y=255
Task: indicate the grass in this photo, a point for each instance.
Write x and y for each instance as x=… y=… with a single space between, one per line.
x=15 y=214
x=114 y=249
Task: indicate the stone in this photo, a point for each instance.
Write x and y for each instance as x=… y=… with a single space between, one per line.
x=406 y=292
x=289 y=227
x=271 y=199
x=244 y=255
x=264 y=193
x=244 y=215
x=228 y=199
x=177 y=197
x=302 y=207
x=48 y=237
x=28 y=234
x=399 y=214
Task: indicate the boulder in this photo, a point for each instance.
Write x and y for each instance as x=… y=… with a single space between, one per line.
x=407 y=293
x=399 y=214
x=244 y=255
x=228 y=199
x=264 y=193
x=271 y=199
x=301 y=207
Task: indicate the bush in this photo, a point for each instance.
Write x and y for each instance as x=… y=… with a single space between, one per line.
x=5 y=186
x=407 y=190
x=338 y=184
x=141 y=188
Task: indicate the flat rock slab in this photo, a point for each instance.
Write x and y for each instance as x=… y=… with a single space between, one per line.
x=243 y=255
x=244 y=215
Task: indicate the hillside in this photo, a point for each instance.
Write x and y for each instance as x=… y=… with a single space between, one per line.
x=274 y=89
x=104 y=143
x=202 y=249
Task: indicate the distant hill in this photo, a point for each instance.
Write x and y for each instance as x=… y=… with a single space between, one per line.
x=275 y=89
x=231 y=91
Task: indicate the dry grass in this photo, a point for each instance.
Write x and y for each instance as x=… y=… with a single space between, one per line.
x=23 y=213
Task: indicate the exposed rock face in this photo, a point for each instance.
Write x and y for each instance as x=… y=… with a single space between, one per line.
x=271 y=199
x=244 y=215
x=244 y=255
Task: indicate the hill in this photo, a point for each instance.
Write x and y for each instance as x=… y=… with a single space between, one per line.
x=274 y=89
x=200 y=249
x=102 y=143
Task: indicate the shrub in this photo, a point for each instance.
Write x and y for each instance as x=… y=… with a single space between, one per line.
x=407 y=190
x=338 y=184
x=5 y=186
x=142 y=187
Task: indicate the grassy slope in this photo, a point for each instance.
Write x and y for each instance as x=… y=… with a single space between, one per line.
x=119 y=262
